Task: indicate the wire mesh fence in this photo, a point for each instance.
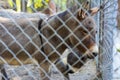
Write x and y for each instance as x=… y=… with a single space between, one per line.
x=78 y=39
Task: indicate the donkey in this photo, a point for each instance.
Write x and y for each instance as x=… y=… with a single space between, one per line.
x=75 y=29
x=21 y=40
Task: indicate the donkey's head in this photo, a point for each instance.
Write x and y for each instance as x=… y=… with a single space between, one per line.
x=84 y=30
x=75 y=28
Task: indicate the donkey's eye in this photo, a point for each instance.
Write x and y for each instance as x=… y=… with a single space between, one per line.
x=96 y=32
x=89 y=22
x=84 y=31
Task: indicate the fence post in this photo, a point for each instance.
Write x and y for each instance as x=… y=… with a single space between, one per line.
x=14 y=5
x=23 y=5
x=106 y=42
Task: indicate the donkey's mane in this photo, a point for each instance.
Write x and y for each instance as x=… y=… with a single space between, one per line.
x=65 y=14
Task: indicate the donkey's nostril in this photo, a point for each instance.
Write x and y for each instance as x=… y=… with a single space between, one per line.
x=94 y=54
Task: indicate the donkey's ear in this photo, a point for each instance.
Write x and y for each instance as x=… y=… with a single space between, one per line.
x=93 y=11
x=85 y=7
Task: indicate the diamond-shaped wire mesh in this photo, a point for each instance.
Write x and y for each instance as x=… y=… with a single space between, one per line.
x=59 y=40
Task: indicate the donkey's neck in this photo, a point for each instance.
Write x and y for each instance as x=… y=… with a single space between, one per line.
x=58 y=19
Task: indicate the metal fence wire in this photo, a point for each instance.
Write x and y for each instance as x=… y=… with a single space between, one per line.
x=59 y=40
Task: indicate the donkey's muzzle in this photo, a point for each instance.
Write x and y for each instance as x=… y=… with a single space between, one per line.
x=94 y=52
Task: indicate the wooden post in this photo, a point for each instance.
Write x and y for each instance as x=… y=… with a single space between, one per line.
x=118 y=15
x=23 y=5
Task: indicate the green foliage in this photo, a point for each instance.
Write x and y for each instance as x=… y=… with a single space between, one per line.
x=37 y=4
x=10 y=3
x=81 y=1
x=18 y=5
x=40 y=4
x=61 y=4
x=118 y=50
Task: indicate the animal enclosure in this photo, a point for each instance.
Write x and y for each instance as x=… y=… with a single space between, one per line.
x=59 y=40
